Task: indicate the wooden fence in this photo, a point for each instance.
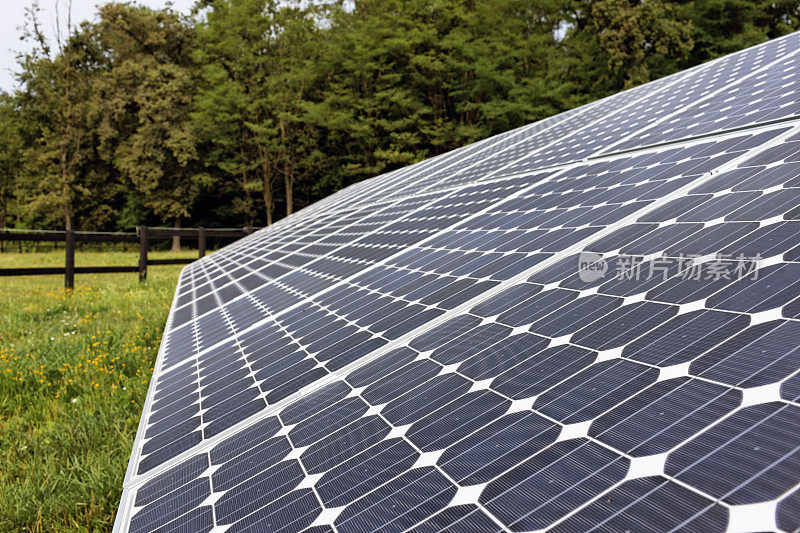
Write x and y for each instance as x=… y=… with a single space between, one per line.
x=143 y=236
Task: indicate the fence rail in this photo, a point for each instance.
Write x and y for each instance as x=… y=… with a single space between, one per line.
x=143 y=236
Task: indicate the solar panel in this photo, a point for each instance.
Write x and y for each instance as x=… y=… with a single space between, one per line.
x=588 y=323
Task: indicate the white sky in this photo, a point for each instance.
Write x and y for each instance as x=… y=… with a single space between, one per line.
x=12 y=17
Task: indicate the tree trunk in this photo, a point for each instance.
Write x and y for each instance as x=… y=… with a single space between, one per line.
x=287 y=172
x=266 y=180
x=268 y=199
x=289 y=183
x=176 y=240
x=67 y=218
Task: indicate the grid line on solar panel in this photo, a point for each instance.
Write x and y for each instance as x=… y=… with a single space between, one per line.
x=422 y=209
x=615 y=486
x=568 y=213
x=293 y=252
x=693 y=182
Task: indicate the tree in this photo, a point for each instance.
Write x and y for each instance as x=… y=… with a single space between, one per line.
x=146 y=101
x=11 y=154
x=231 y=116
x=56 y=93
x=623 y=43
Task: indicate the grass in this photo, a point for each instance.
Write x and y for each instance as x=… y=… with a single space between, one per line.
x=74 y=371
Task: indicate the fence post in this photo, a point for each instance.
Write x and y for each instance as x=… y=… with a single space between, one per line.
x=69 y=259
x=201 y=242
x=143 y=246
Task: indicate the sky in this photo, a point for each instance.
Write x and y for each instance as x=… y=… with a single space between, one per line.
x=12 y=17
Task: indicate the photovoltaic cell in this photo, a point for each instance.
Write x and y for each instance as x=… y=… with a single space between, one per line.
x=585 y=324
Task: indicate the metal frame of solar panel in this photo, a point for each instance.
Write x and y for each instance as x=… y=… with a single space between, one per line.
x=420 y=351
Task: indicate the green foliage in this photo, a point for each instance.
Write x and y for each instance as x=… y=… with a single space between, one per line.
x=250 y=108
x=144 y=99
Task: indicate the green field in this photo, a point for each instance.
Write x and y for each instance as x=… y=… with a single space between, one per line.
x=74 y=371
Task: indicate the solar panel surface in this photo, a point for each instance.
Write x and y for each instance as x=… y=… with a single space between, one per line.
x=588 y=323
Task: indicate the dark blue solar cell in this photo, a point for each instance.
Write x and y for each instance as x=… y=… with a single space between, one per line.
x=536 y=307
x=365 y=472
x=788 y=512
x=295 y=384
x=664 y=415
x=172 y=420
x=456 y=420
x=785 y=175
x=712 y=239
x=380 y=367
x=244 y=440
x=685 y=337
x=620 y=237
x=273 y=378
x=623 y=325
x=172 y=479
x=268 y=485
x=250 y=462
x=640 y=276
x=198 y=520
x=659 y=239
x=574 y=315
x=505 y=300
x=542 y=371
x=594 y=390
x=343 y=444
x=497 y=447
x=766 y=434
x=469 y=343
x=425 y=399
x=174 y=401
x=163 y=511
x=770 y=205
x=292 y=512
x=317 y=426
x=463 y=518
x=437 y=336
x=502 y=356
x=718 y=206
x=773 y=287
x=648 y=505
x=310 y=404
x=687 y=287
x=759 y=355
x=230 y=413
x=553 y=483
x=412 y=322
x=170 y=436
x=319 y=529
x=555 y=272
x=674 y=208
x=790 y=389
x=399 y=504
x=353 y=354
x=400 y=381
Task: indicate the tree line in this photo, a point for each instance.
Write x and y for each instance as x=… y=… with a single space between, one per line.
x=245 y=110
